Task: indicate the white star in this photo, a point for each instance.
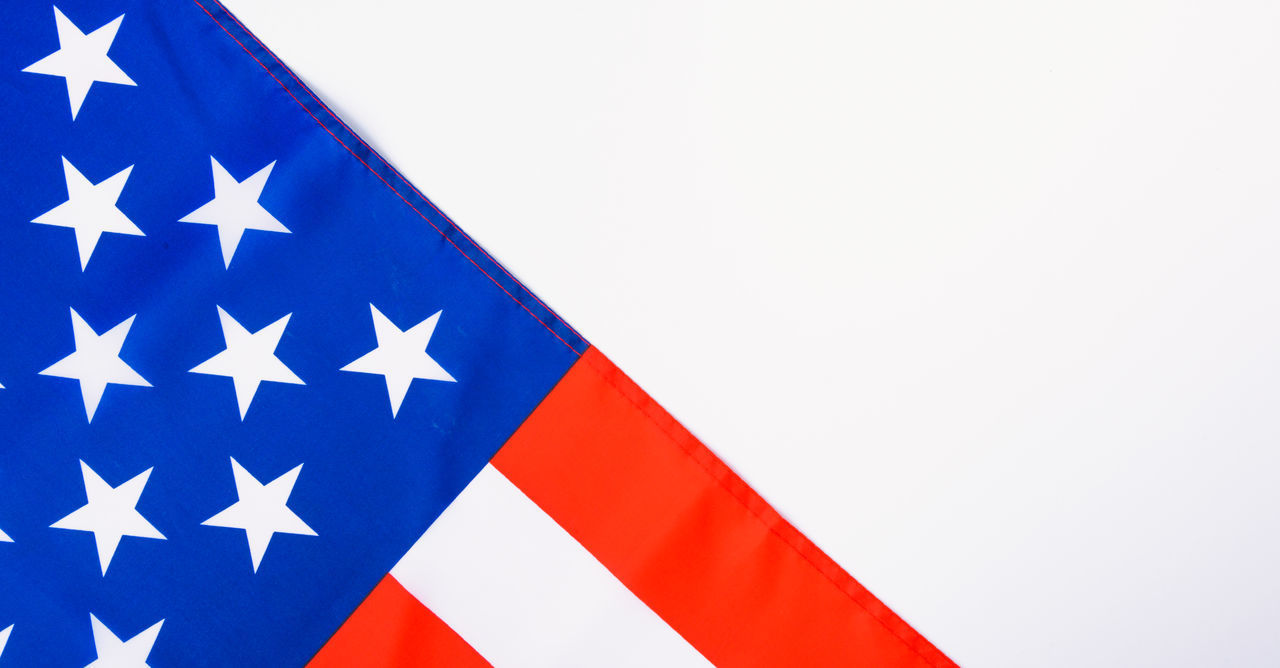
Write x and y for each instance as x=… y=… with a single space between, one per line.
x=4 y=638
x=82 y=59
x=249 y=358
x=261 y=510
x=90 y=210
x=110 y=514
x=400 y=356
x=4 y=537
x=115 y=653
x=96 y=362
x=234 y=208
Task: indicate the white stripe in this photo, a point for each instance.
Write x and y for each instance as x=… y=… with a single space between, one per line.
x=521 y=591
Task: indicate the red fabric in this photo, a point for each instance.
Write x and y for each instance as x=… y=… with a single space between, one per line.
x=690 y=538
x=391 y=628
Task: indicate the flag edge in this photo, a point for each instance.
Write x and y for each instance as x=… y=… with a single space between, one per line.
x=454 y=234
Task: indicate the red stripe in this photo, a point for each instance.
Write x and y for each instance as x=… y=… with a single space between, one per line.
x=391 y=628
x=690 y=538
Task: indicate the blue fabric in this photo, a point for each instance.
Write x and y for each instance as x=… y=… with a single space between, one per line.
x=370 y=484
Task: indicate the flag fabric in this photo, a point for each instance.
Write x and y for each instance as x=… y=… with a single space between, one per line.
x=265 y=405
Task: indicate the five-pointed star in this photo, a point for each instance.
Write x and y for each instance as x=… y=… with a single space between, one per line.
x=96 y=361
x=400 y=356
x=249 y=358
x=4 y=638
x=261 y=510
x=4 y=537
x=235 y=208
x=110 y=514
x=90 y=210
x=116 y=653
x=82 y=59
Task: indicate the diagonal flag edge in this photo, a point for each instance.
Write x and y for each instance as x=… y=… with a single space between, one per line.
x=675 y=433
x=459 y=239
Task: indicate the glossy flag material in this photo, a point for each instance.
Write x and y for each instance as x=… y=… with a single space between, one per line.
x=264 y=404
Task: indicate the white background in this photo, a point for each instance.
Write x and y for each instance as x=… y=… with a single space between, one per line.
x=983 y=296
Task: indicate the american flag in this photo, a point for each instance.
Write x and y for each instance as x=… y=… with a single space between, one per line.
x=265 y=404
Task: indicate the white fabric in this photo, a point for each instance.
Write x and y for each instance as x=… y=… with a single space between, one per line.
x=521 y=591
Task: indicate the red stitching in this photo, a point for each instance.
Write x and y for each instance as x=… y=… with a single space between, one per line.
x=607 y=375
x=384 y=181
x=393 y=169
x=688 y=451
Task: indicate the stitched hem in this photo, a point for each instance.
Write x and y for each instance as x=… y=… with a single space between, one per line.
x=461 y=242
x=681 y=438
x=714 y=467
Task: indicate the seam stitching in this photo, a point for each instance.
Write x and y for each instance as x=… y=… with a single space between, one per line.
x=607 y=374
x=388 y=165
x=384 y=181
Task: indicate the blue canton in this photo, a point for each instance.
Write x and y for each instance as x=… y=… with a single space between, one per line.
x=244 y=364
